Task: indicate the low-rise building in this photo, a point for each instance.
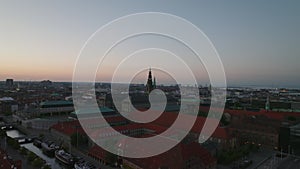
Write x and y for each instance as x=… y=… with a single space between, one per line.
x=55 y=107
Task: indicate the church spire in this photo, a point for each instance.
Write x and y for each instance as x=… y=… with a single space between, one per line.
x=149 y=85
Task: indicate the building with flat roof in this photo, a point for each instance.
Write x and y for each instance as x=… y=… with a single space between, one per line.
x=182 y=156
x=89 y=112
x=55 y=107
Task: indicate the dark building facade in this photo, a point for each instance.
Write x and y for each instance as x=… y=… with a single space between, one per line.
x=289 y=139
x=9 y=82
x=8 y=105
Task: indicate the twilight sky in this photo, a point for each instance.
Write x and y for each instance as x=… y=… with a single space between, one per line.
x=258 y=41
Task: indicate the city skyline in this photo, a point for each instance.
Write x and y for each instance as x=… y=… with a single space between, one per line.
x=257 y=41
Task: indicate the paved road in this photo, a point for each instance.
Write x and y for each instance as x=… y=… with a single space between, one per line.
x=290 y=163
x=258 y=157
x=270 y=163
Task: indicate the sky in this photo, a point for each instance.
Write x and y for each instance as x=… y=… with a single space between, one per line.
x=257 y=41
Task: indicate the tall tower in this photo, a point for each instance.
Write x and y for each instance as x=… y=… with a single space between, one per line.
x=267 y=106
x=149 y=85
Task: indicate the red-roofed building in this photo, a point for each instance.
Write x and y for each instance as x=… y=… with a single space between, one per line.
x=255 y=127
x=98 y=132
x=182 y=156
x=64 y=130
x=276 y=115
x=221 y=135
x=98 y=154
x=6 y=163
x=68 y=128
x=134 y=130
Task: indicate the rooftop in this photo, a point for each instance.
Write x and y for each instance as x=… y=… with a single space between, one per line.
x=103 y=110
x=56 y=103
